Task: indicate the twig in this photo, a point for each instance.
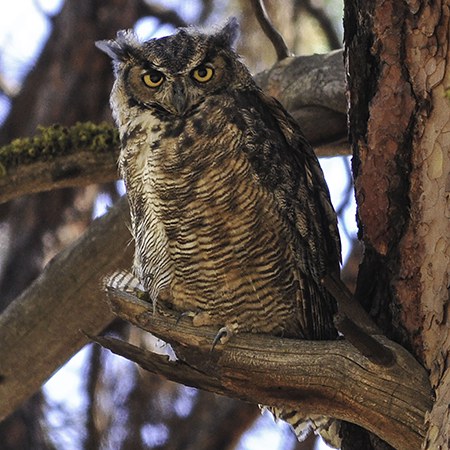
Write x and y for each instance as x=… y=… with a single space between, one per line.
x=365 y=343
x=324 y=21
x=269 y=30
x=346 y=305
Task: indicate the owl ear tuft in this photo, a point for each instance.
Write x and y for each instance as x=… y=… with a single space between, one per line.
x=229 y=34
x=122 y=48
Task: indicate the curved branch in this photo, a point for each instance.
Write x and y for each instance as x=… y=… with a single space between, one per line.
x=321 y=377
x=269 y=30
x=324 y=21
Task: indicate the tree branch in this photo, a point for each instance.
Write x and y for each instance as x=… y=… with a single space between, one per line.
x=40 y=330
x=42 y=325
x=322 y=377
x=269 y=30
x=60 y=157
x=312 y=89
x=324 y=21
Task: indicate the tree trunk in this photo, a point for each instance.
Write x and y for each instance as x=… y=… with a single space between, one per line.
x=397 y=58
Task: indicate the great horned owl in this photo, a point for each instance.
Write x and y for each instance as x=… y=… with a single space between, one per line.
x=230 y=212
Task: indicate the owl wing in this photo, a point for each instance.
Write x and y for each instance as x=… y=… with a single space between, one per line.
x=310 y=174
x=285 y=164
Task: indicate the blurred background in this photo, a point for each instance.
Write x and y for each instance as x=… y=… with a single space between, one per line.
x=50 y=72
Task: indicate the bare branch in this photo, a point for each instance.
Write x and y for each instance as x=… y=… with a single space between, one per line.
x=274 y=36
x=322 y=377
x=40 y=330
x=324 y=21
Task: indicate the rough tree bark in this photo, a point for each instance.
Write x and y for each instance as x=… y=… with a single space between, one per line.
x=398 y=61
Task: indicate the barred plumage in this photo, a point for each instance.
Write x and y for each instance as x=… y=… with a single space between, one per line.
x=230 y=212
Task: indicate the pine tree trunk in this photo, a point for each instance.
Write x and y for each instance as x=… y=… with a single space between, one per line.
x=398 y=62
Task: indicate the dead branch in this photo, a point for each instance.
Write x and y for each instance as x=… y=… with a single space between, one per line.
x=269 y=30
x=322 y=377
x=325 y=22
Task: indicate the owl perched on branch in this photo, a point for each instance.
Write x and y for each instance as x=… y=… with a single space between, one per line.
x=230 y=212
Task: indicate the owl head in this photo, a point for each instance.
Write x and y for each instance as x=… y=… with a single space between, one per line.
x=174 y=74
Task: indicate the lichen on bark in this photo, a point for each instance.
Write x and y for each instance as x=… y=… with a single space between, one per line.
x=57 y=140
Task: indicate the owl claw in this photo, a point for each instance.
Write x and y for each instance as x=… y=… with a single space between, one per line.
x=222 y=336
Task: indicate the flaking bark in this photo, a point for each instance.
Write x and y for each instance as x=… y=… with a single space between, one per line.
x=397 y=54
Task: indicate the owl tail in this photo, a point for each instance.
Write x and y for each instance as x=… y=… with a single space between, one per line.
x=302 y=425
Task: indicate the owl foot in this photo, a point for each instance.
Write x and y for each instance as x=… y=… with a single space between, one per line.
x=204 y=318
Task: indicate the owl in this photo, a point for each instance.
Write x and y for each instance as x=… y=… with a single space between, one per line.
x=230 y=213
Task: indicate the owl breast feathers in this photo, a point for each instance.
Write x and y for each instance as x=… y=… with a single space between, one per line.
x=230 y=212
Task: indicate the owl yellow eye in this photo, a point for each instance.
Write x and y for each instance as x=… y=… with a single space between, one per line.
x=202 y=74
x=153 y=79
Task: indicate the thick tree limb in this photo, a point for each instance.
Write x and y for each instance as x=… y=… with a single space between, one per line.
x=43 y=327
x=327 y=377
x=40 y=330
x=311 y=87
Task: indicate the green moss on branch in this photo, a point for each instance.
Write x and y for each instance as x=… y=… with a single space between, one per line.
x=58 y=140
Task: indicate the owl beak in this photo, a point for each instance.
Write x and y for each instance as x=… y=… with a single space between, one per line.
x=179 y=97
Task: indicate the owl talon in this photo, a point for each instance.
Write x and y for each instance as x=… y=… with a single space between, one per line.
x=222 y=336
